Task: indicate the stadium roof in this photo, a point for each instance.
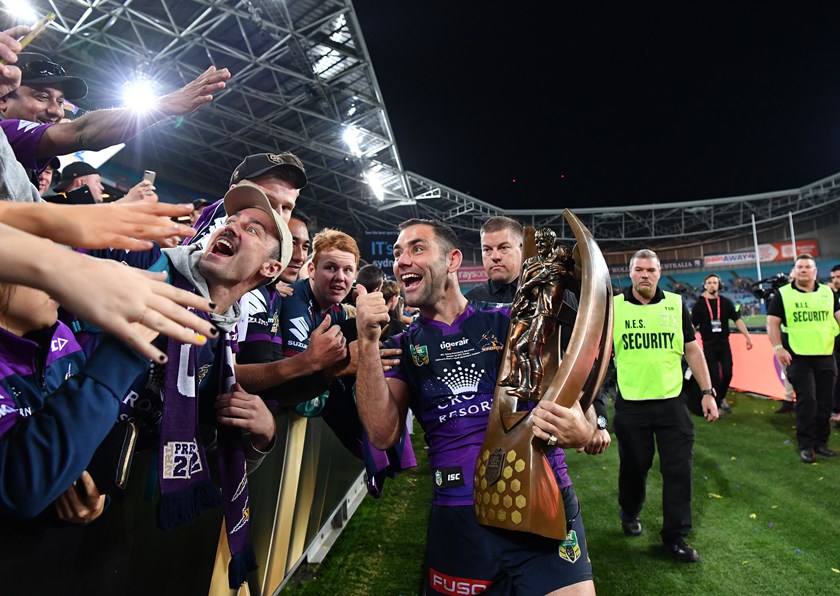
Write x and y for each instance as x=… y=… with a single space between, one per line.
x=303 y=82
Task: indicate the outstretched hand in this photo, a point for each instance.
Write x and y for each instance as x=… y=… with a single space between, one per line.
x=104 y=293
x=104 y=225
x=194 y=94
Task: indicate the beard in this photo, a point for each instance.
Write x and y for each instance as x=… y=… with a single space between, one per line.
x=435 y=284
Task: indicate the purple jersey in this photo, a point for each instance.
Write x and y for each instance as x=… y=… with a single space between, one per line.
x=24 y=137
x=451 y=371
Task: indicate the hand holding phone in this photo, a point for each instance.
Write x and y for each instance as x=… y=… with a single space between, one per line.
x=35 y=32
x=149 y=176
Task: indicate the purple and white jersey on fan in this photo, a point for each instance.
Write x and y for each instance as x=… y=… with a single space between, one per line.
x=24 y=137
x=451 y=372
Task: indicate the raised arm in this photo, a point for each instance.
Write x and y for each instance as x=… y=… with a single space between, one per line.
x=104 y=293
x=105 y=225
x=382 y=403
x=103 y=128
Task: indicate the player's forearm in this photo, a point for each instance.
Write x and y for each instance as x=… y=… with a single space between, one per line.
x=377 y=409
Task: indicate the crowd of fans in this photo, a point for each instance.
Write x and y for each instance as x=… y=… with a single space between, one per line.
x=188 y=328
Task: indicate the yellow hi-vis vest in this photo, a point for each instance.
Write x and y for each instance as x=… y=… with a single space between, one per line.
x=648 y=343
x=809 y=320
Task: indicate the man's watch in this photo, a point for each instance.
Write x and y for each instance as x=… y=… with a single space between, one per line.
x=710 y=392
x=602 y=423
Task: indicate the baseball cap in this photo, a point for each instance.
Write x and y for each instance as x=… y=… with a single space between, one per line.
x=77 y=169
x=37 y=69
x=200 y=203
x=248 y=195
x=260 y=163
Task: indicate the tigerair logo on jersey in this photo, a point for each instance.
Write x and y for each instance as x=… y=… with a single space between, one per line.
x=442 y=583
x=181 y=460
x=448 y=345
x=419 y=354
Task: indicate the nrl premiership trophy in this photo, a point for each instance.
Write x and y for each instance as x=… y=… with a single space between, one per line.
x=515 y=488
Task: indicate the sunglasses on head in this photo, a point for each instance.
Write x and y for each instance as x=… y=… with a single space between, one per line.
x=41 y=68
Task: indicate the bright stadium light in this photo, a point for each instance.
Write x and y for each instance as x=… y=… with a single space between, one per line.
x=351 y=137
x=139 y=94
x=375 y=182
x=21 y=10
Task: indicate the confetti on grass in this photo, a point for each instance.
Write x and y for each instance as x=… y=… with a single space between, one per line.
x=835 y=570
x=714 y=496
x=753 y=516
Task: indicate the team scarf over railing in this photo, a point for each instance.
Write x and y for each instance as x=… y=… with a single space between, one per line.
x=185 y=483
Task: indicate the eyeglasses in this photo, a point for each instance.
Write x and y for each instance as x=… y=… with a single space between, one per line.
x=41 y=68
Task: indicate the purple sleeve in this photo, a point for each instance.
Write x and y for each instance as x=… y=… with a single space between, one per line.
x=24 y=137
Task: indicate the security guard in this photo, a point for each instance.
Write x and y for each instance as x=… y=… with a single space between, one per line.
x=802 y=321
x=652 y=331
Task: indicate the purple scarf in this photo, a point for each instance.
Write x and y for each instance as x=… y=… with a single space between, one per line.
x=185 y=484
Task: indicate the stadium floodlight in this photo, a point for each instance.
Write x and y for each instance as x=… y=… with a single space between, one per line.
x=373 y=180
x=21 y=10
x=139 y=94
x=351 y=137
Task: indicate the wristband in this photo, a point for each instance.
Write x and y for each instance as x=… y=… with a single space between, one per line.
x=779 y=347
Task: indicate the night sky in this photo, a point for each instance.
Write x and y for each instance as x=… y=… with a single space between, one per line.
x=555 y=104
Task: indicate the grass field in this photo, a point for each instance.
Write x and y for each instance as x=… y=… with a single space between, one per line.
x=764 y=523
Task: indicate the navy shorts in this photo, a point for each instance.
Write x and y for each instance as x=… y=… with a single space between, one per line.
x=464 y=557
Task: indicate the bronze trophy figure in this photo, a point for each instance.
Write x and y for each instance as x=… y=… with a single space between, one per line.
x=515 y=488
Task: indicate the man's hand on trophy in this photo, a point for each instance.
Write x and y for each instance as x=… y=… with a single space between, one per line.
x=569 y=426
